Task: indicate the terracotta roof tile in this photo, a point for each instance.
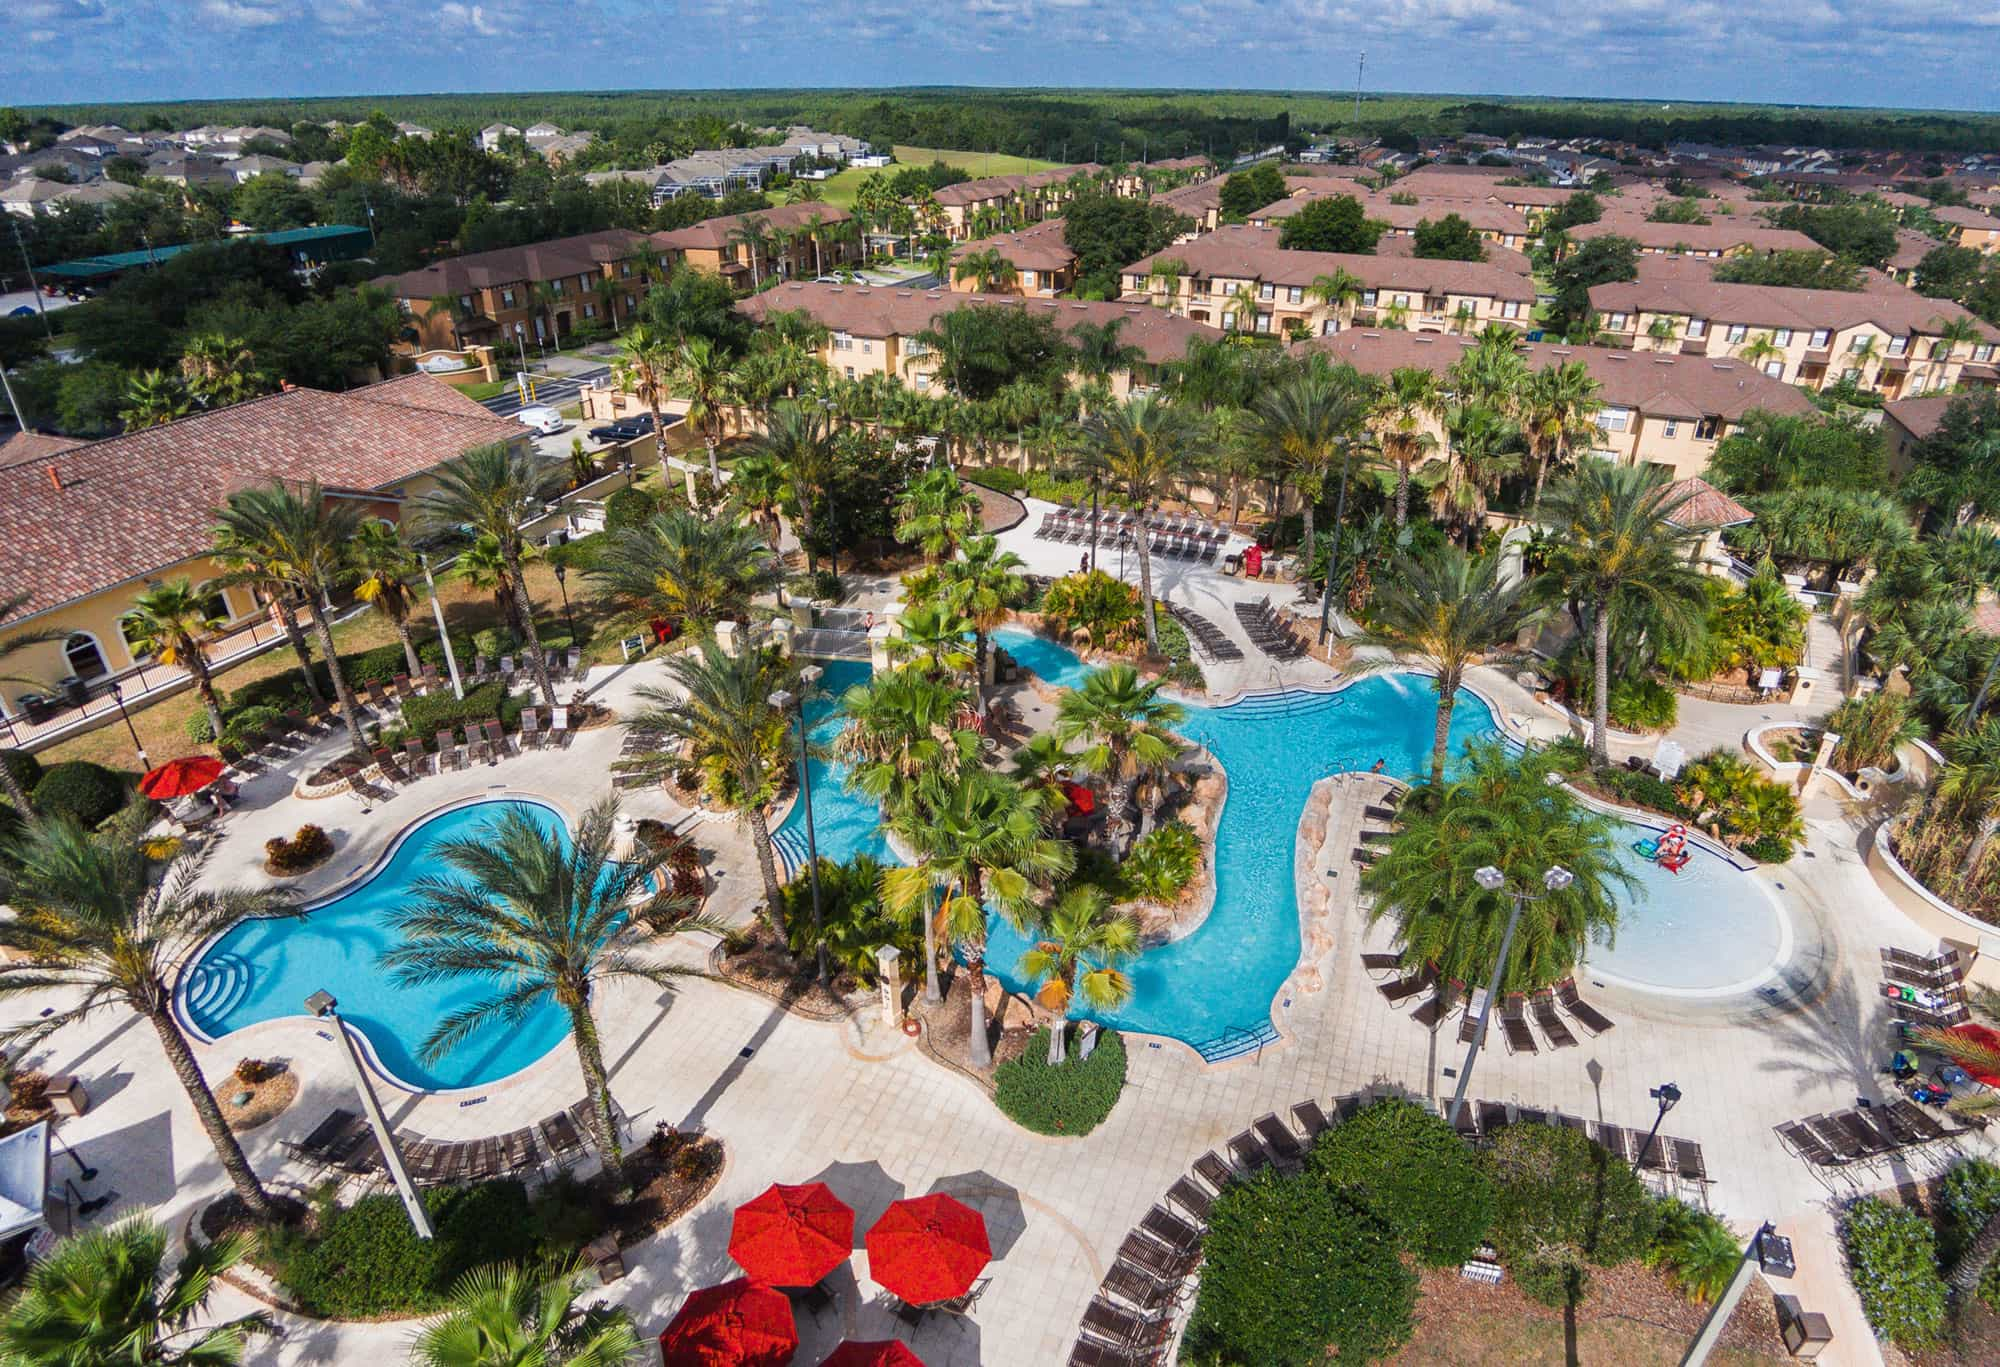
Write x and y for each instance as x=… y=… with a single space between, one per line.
x=538 y=261
x=1254 y=254
x=713 y=234
x=1706 y=506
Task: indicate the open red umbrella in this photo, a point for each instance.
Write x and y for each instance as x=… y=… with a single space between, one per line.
x=928 y=1248
x=792 y=1236
x=881 y=1353
x=179 y=777
x=738 y=1324
x=1981 y=1035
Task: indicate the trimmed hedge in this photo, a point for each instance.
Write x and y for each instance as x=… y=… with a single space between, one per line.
x=1417 y=1172
x=286 y=691
x=26 y=768
x=1892 y=1261
x=85 y=793
x=1071 y=1098
x=430 y=713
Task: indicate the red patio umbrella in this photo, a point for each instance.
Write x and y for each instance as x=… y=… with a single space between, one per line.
x=1983 y=1035
x=881 y=1353
x=928 y=1248
x=792 y=1236
x=738 y=1324
x=179 y=777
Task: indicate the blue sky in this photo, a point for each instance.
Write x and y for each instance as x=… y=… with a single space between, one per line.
x=1887 y=52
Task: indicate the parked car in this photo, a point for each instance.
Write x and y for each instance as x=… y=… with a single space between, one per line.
x=542 y=419
x=625 y=429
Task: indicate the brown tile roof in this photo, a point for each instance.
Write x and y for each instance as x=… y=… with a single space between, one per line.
x=133 y=504
x=1507 y=258
x=1040 y=248
x=1483 y=215
x=1687 y=387
x=868 y=312
x=1896 y=309
x=1706 y=506
x=1193 y=200
x=1918 y=417
x=1727 y=232
x=969 y=192
x=1911 y=248
x=580 y=255
x=23 y=447
x=1960 y=217
x=714 y=233
x=1254 y=254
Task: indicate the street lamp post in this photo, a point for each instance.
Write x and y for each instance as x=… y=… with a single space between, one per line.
x=809 y=678
x=437 y=611
x=1555 y=878
x=562 y=573
x=1667 y=1096
x=1093 y=519
x=321 y=1004
x=118 y=696
x=1333 y=560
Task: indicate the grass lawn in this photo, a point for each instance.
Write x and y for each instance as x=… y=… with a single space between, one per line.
x=1491 y=1341
x=485 y=389
x=840 y=189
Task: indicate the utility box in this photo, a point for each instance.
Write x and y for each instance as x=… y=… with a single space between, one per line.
x=1806 y=1333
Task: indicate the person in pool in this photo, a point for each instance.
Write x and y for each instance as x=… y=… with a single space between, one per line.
x=1377 y=768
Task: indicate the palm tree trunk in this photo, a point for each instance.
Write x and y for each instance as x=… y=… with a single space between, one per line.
x=289 y=620
x=978 y=1052
x=182 y=1060
x=1600 y=710
x=714 y=470
x=197 y=667
x=529 y=635
x=1235 y=500
x=1309 y=535
x=1402 y=492
x=1977 y=850
x=767 y=867
x=1441 y=736
x=1971 y=1266
x=409 y=641
x=1146 y=590
x=1058 y=1028
x=16 y=794
x=1541 y=476
x=979 y=649
x=604 y=1128
x=350 y=710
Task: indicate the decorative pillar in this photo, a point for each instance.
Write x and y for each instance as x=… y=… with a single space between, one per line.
x=878 y=646
x=891 y=983
x=728 y=638
x=1821 y=758
x=781 y=634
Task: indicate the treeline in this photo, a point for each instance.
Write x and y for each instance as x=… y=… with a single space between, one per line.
x=1649 y=125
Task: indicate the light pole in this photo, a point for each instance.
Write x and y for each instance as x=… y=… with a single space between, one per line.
x=1333 y=560
x=562 y=573
x=118 y=696
x=1668 y=1096
x=437 y=611
x=1093 y=523
x=1555 y=878
x=321 y=1004
x=809 y=678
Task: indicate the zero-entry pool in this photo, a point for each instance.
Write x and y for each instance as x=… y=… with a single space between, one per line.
x=264 y=969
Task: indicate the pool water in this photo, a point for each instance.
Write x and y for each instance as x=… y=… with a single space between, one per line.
x=844 y=824
x=264 y=969
x=1055 y=665
x=1709 y=928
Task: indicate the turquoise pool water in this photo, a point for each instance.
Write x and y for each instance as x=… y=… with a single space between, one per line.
x=843 y=825
x=265 y=969
x=1056 y=665
x=1709 y=928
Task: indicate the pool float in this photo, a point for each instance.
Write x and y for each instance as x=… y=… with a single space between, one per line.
x=1647 y=848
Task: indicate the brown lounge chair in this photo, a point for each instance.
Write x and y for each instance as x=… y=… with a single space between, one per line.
x=1432 y=1012
x=1543 y=1004
x=1398 y=992
x=1581 y=1011
x=1514 y=1020
x=1283 y=1140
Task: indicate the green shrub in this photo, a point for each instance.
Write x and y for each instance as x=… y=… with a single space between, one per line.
x=1643 y=705
x=852 y=921
x=245 y=727
x=628 y=507
x=1967 y=1198
x=1000 y=478
x=307 y=846
x=86 y=793
x=493 y=642
x=1870 y=729
x=1071 y=1098
x=429 y=713
x=1699 y=1253
x=1292 y=1266
x=1892 y=1261
x=27 y=770
x=1562 y=1206
x=1107 y=608
x=1769 y=850
x=1414 y=1169
x=1727 y=790
x=1164 y=861
x=1641 y=790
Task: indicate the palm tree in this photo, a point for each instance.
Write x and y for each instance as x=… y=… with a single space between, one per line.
x=105 y=1296
x=1501 y=813
x=1122 y=722
x=495 y=490
x=513 y=1316
x=983 y=586
x=1078 y=956
x=754 y=237
x=1410 y=399
x=444 y=306
x=272 y=587
x=937 y=514
x=169 y=621
x=301 y=538
x=758 y=485
x=606 y=290
x=537 y=918
x=1955 y=332
x=153 y=399
x=644 y=365
x=938 y=261
x=221 y=369
x=1484 y=448
x=1337 y=289
x=979 y=844
x=1241 y=309
x=687 y=569
x=1615 y=547
x=545 y=297
x=92 y=916
x=931 y=637
x=702 y=372
x=902 y=736
x=721 y=712
x=1761 y=347
x=1303 y=424
x=987 y=269
x=1663 y=330
x=18 y=641
x=1099 y=352
x=481 y=566
x=1140 y=447
x=1449 y=610
x=1557 y=409
x=799 y=439
x=388 y=568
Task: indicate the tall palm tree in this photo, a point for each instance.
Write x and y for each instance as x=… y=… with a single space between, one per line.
x=937 y=514
x=758 y=485
x=1484 y=449
x=1122 y=723
x=1337 y=289
x=1448 y=609
x=720 y=709
x=388 y=569
x=702 y=372
x=1100 y=353
x=538 y=918
x=1615 y=547
x=1140 y=447
x=754 y=237
x=169 y=621
x=606 y=289
x=1079 y=953
x=153 y=399
x=481 y=566
x=980 y=843
x=545 y=298
x=92 y=917
x=1304 y=424
x=494 y=490
x=902 y=736
x=983 y=586
x=1761 y=347
x=644 y=365
x=270 y=586
x=301 y=538
x=222 y=369
x=800 y=440
x=105 y=1296
x=1241 y=309
x=514 y=1316
x=1556 y=410
x=687 y=569
x=1403 y=408
x=987 y=269
x=931 y=637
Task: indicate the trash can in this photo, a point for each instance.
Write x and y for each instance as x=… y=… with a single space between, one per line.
x=65 y=1095
x=1806 y=1333
x=75 y=691
x=602 y=1254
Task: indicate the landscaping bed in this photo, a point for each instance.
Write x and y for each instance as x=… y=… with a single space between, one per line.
x=256 y=1093
x=757 y=959
x=1070 y=1098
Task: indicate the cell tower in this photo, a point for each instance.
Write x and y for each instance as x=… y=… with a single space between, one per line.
x=1360 y=61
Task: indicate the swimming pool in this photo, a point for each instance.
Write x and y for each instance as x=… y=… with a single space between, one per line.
x=264 y=969
x=844 y=824
x=1056 y=665
x=1711 y=929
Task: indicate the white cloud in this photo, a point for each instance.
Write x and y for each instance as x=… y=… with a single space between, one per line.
x=240 y=15
x=473 y=17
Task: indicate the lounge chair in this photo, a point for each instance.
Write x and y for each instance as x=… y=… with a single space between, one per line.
x=1528 y=1115
x=1170 y=1230
x=1249 y=1151
x=1614 y=1141
x=1375 y=813
x=481 y=667
x=1112 y=1324
x=414 y=756
x=1800 y=1139
x=316 y=1145
x=1190 y=1197
x=1514 y=1020
x=506 y=667
x=523 y=1156
x=496 y=737
x=1468 y=1022
x=1155 y=1257
x=1433 y=1012
x=1865 y=1133
x=1311 y=1119
x=1654 y=1155
x=565 y=1144
x=1346 y=1106
x=1397 y=992
x=1140 y=1288
x=1212 y=1170
x=573 y=663
x=1572 y=1122
x=530 y=729
x=1283 y=1140
x=377 y=699
x=447 y=751
x=1581 y=1011
x=1381 y=963
x=1090 y=1352
x=1543 y=1004
x=404 y=686
x=432 y=683
x=475 y=745
x=1492 y=1117
x=1467 y=1124
x=559 y=726
x=1689 y=1165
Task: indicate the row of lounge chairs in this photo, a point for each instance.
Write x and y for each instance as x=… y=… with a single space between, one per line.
x=1208 y=638
x=1177 y=538
x=1863 y=1135
x=1925 y=989
x=345 y=1144
x=1268 y=632
x=1667 y=1158
x=1514 y=1012
x=639 y=746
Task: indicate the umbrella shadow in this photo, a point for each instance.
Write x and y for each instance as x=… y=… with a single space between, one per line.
x=997 y=1202
x=865 y=1187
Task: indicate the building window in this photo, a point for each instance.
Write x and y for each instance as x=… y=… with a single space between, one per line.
x=1027 y=280
x=556 y=288
x=1851 y=373
x=1329 y=327
x=1263 y=322
x=1673 y=429
x=1983 y=352
x=1775 y=369
x=1858 y=341
x=1735 y=333
x=1368 y=298
x=1295 y=294
x=1402 y=301
x=1708 y=429
x=465 y=302
x=1267 y=290
x=85 y=657
x=590 y=310
x=1697 y=327
x=1618 y=321
x=1899 y=346
x=850 y=372
x=624 y=268
x=1782 y=337
x=583 y=282
x=843 y=341
x=507 y=298
x=1614 y=419
x=867 y=347
x=1819 y=340
x=629 y=306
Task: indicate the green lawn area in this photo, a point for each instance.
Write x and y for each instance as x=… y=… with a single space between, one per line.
x=839 y=190
x=485 y=389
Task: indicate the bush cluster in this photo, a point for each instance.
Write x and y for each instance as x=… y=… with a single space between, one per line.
x=429 y=713
x=1892 y=1261
x=286 y=691
x=852 y=921
x=307 y=846
x=84 y=792
x=1562 y=1206
x=1035 y=484
x=1164 y=861
x=27 y=771
x=1071 y=1098
x=1417 y=1172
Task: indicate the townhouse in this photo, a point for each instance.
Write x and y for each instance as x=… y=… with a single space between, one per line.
x=1495 y=223
x=1241 y=278
x=970 y=205
x=790 y=240
x=1667 y=411
x=714 y=172
x=1138 y=179
x=1907 y=422
x=515 y=295
x=875 y=331
x=90 y=526
x=1042 y=261
x=1970 y=228
x=1883 y=337
x=1201 y=202
x=1727 y=235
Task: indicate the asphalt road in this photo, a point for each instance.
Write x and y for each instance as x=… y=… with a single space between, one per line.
x=551 y=390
